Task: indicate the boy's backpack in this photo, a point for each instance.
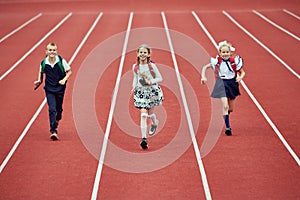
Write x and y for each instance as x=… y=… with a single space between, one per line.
x=232 y=64
x=59 y=64
x=136 y=67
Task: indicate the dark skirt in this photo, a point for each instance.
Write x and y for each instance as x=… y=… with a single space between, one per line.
x=226 y=88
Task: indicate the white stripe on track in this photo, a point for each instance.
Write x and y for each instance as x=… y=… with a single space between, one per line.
x=111 y=112
x=10 y=154
x=20 y=27
x=34 y=47
x=187 y=112
x=292 y=14
x=276 y=25
x=287 y=146
x=261 y=44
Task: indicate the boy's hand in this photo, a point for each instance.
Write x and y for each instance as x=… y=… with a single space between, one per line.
x=62 y=82
x=37 y=84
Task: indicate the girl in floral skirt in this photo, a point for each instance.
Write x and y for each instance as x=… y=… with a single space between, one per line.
x=147 y=92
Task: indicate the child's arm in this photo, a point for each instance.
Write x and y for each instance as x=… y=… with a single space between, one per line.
x=204 y=68
x=68 y=74
x=38 y=82
x=241 y=74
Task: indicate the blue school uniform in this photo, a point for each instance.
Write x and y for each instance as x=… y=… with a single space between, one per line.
x=54 y=91
x=226 y=85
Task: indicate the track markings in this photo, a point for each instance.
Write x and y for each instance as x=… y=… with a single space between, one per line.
x=111 y=112
x=292 y=14
x=34 y=47
x=276 y=25
x=10 y=154
x=187 y=112
x=20 y=27
x=261 y=44
x=287 y=146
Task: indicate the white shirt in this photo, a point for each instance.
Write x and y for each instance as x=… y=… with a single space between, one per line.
x=226 y=72
x=144 y=69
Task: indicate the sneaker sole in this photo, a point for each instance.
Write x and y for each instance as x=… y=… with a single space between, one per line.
x=54 y=137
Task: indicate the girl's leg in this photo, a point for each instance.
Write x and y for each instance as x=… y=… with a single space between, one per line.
x=225 y=115
x=225 y=105
x=154 y=123
x=144 y=142
x=152 y=115
x=231 y=105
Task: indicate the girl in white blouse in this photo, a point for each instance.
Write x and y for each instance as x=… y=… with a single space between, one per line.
x=229 y=73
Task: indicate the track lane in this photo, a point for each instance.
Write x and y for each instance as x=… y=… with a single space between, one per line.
x=60 y=157
x=226 y=166
x=14 y=48
x=278 y=80
x=159 y=182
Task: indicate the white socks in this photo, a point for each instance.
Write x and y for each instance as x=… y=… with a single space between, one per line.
x=153 y=118
x=144 y=124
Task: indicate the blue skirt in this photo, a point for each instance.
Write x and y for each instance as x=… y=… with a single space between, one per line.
x=226 y=88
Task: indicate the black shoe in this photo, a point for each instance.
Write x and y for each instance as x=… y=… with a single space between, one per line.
x=228 y=132
x=54 y=136
x=144 y=143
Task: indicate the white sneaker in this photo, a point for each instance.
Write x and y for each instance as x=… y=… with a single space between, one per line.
x=153 y=128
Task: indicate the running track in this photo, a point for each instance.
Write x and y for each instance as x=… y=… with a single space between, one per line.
x=261 y=160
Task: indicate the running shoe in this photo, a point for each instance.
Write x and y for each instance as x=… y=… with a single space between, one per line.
x=153 y=128
x=144 y=143
x=228 y=132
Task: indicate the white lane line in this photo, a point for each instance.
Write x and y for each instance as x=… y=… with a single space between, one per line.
x=287 y=146
x=20 y=27
x=261 y=44
x=292 y=14
x=111 y=112
x=34 y=47
x=187 y=112
x=10 y=154
x=276 y=25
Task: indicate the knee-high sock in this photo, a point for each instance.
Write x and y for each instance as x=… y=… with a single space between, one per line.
x=153 y=118
x=144 y=125
x=227 y=123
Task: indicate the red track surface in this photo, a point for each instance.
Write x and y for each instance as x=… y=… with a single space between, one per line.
x=252 y=164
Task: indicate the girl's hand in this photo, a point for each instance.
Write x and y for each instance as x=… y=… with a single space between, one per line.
x=203 y=80
x=238 y=78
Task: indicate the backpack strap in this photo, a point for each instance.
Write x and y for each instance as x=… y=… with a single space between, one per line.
x=232 y=64
x=43 y=64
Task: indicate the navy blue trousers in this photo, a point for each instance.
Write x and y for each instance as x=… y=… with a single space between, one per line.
x=55 y=102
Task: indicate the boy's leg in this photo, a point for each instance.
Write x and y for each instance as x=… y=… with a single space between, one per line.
x=51 y=100
x=59 y=104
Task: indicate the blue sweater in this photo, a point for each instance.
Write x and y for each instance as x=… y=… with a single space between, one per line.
x=53 y=76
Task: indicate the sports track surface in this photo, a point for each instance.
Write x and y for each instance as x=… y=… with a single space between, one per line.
x=261 y=159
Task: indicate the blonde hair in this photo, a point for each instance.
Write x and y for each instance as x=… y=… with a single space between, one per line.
x=225 y=44
x=51 y=44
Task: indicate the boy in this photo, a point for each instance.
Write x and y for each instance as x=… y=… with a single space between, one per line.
x=57 y=72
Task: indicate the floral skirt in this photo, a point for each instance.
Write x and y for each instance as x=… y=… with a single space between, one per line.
x=148 y=96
